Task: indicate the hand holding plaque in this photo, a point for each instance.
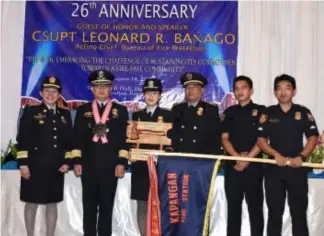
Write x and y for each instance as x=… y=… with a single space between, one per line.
x=142 y=132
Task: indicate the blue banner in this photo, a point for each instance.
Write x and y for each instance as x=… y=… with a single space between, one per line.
x=134 y=40
x=184 y=188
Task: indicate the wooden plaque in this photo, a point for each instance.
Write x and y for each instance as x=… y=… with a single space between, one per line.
x=142 y=132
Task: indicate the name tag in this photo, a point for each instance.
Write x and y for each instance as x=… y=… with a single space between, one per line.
x=88 y=114
x=273 y=120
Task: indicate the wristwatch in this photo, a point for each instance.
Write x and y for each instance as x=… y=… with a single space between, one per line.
x=302 y=157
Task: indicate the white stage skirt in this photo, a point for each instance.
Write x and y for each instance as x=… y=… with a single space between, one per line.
x=124 y=221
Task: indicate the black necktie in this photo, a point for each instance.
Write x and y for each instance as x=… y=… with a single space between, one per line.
x=149 y=113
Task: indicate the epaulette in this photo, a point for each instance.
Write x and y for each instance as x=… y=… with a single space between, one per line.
x=139 y=110
x=118 y=103
x=213 y=104
x=64 y=108
x=32 y=105
x=179 y=103
x=165 y=109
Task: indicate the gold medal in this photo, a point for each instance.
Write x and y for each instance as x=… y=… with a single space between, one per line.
x=100 y=130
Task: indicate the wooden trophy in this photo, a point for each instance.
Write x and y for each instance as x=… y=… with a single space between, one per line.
x=143 y=132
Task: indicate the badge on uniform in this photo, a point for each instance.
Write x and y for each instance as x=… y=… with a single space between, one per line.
x=41 y=122
x=310 y=117
x=254 y=112
x=189 y=76
x=40 y=116
x=115 y=113
x=273 y=121
x=263 y=118
x=297 y=115
x=64 y=121
x=160 y=119
x=200 y=111
x=223 y=117
x=88 y=114
x=52 y=80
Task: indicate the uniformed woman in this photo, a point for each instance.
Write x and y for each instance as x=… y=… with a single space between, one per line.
x=140 y=177
x=44 y=155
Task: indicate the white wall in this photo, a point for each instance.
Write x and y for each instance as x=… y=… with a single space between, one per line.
x=274 y=38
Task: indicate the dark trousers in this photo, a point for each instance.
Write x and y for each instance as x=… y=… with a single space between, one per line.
x=278 y=182
x=98 y=190
x=248 y=184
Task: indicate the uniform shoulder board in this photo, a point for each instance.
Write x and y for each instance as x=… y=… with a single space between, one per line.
x=120 y=105
x=303 y=107
x=31 y=108
x=139 y=110
x=213 y=104
x=85 y=106
x=179 y=103
x=32 y=105
x=63 y=108
x=165 y=109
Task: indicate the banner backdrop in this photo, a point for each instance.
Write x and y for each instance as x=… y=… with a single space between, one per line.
x=134 y=40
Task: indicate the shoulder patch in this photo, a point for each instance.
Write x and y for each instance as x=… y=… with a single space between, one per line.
x=310 y=117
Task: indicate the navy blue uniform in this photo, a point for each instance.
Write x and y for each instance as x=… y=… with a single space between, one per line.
x=44 y=145
x=140 y=176
x=98 y=162
x=241 y=123
x=196 y=129
x=285 y=132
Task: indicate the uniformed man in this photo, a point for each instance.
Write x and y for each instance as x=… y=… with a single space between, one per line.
x=100 y=132
x=281 y=133
x=152 y=90
x=243 y=179
x=196 y=123
x=44 y=154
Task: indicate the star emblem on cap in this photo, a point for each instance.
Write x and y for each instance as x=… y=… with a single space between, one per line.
x=151 y=83
x=100 y=74
x=189 y=76
x=52 y=80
